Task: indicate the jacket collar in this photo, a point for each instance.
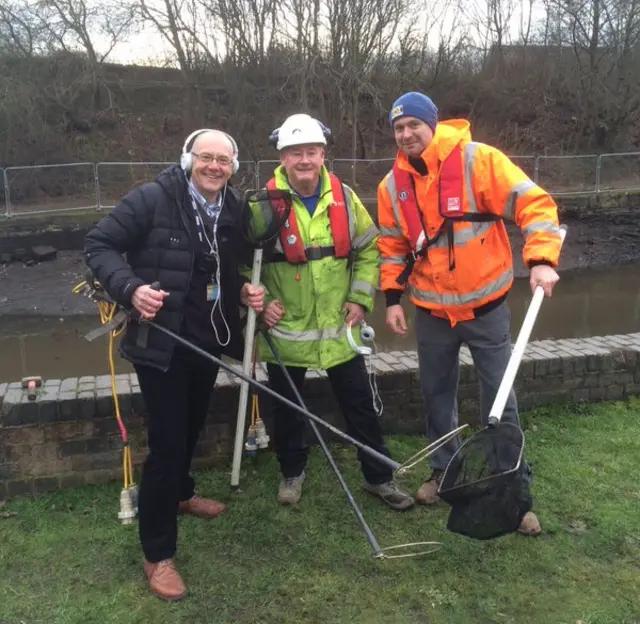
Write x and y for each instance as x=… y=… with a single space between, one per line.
x=448 y=134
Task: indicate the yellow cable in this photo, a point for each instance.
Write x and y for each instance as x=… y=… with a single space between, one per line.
x=107 y=312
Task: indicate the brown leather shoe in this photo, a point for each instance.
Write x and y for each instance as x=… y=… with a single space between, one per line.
x=202 y=507
x=530 y=525
x=164 y=580
x=428 y=492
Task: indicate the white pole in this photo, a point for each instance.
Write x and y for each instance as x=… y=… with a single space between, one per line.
x=246 y=369
x=518 y=350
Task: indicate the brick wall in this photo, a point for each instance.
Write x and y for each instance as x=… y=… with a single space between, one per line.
x=69 y=435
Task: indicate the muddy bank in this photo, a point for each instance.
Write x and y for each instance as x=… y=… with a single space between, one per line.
x=45 y=289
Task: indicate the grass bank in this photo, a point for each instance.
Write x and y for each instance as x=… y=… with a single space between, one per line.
x=64 y=558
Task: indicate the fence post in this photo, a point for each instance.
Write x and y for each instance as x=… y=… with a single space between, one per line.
x=4 y=184
x=536 y=169
x=598 y=170
x=7 y=192
x=96 y=180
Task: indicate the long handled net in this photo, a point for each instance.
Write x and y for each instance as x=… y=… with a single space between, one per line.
x=486 y=481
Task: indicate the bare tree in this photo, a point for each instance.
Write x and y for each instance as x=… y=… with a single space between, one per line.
x=604 y=36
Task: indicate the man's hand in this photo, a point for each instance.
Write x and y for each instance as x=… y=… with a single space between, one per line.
x=273 y=313
x=253 y=297
x=396 y=321
x=355 y=313
x=545 y=276
x=148 y=301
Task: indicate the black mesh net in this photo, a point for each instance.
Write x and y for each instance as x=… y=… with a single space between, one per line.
x=486 y=483
x=263 y=215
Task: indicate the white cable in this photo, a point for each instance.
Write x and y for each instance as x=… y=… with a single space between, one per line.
x=367 y=333
x=218 y=302
x=213 y=248
x=378 y=405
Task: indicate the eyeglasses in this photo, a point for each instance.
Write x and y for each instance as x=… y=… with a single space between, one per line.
x=207 y=159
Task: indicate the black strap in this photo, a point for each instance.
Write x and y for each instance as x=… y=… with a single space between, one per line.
x=117 y=320
x=446 y=227
x=312 y=253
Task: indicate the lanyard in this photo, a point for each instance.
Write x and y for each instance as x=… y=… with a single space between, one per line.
x=202 y=230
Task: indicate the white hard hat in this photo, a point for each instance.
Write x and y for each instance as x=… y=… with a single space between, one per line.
x=300 y=129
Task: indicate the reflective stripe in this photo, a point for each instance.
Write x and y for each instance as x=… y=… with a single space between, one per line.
x=364 y=239
x=362 y=287
x=348 y=200
x=394 y=260
x=463 y=299
x=392 y=231
x=541 y=226
x=462 y=237
x=469 y=161
x=307 y=335
x=393 y=195
x=516 y=191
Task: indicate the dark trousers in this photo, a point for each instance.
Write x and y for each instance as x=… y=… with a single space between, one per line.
x=177 y=402
x=350 y=384
x=489 y=341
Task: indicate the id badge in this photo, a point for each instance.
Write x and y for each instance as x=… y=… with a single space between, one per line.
x=213 y=291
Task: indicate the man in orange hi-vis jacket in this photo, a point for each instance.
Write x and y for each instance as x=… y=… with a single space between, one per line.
x=441 y=212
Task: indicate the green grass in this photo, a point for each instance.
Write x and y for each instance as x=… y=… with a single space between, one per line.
x=65 y=558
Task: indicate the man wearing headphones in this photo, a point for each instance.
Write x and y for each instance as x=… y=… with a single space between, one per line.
x=320 y=282
x=182 y=231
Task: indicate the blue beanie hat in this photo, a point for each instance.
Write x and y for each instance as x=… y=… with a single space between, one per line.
x=414 y=104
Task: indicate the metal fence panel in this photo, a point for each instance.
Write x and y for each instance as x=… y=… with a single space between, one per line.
x=247 y=175
x=265 y=171
x=363 y=176
x=76 y=186
x=116 y=179
x=568 y=175
x=619 y=172
x=50 y=188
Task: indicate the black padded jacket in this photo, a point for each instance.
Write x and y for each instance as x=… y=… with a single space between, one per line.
x=154 y=226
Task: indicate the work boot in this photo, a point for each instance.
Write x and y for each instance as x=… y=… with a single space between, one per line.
x=290 y=490
x=164 y=580
x=530 y=526
x=390 y=493
x=202 y=507
x=428 y=492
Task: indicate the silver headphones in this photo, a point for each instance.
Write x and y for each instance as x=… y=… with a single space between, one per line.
x=366 y=333
x=186 y=158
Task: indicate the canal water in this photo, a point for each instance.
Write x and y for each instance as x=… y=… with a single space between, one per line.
x=591 y=302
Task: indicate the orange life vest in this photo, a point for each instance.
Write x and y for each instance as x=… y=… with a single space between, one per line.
x=292 y=243
x=450 y=196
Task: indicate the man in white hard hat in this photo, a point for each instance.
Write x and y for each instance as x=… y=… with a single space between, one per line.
x=319 y=281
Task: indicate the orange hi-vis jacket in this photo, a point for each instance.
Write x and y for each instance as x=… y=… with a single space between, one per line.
x=455 y=275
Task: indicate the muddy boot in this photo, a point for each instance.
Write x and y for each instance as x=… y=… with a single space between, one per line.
x=164 y=580
x=530 y=526
x=390 y=494
x=290 y=490
x=428 y=492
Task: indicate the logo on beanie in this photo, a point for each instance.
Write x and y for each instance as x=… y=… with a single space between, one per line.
x=396 y=111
